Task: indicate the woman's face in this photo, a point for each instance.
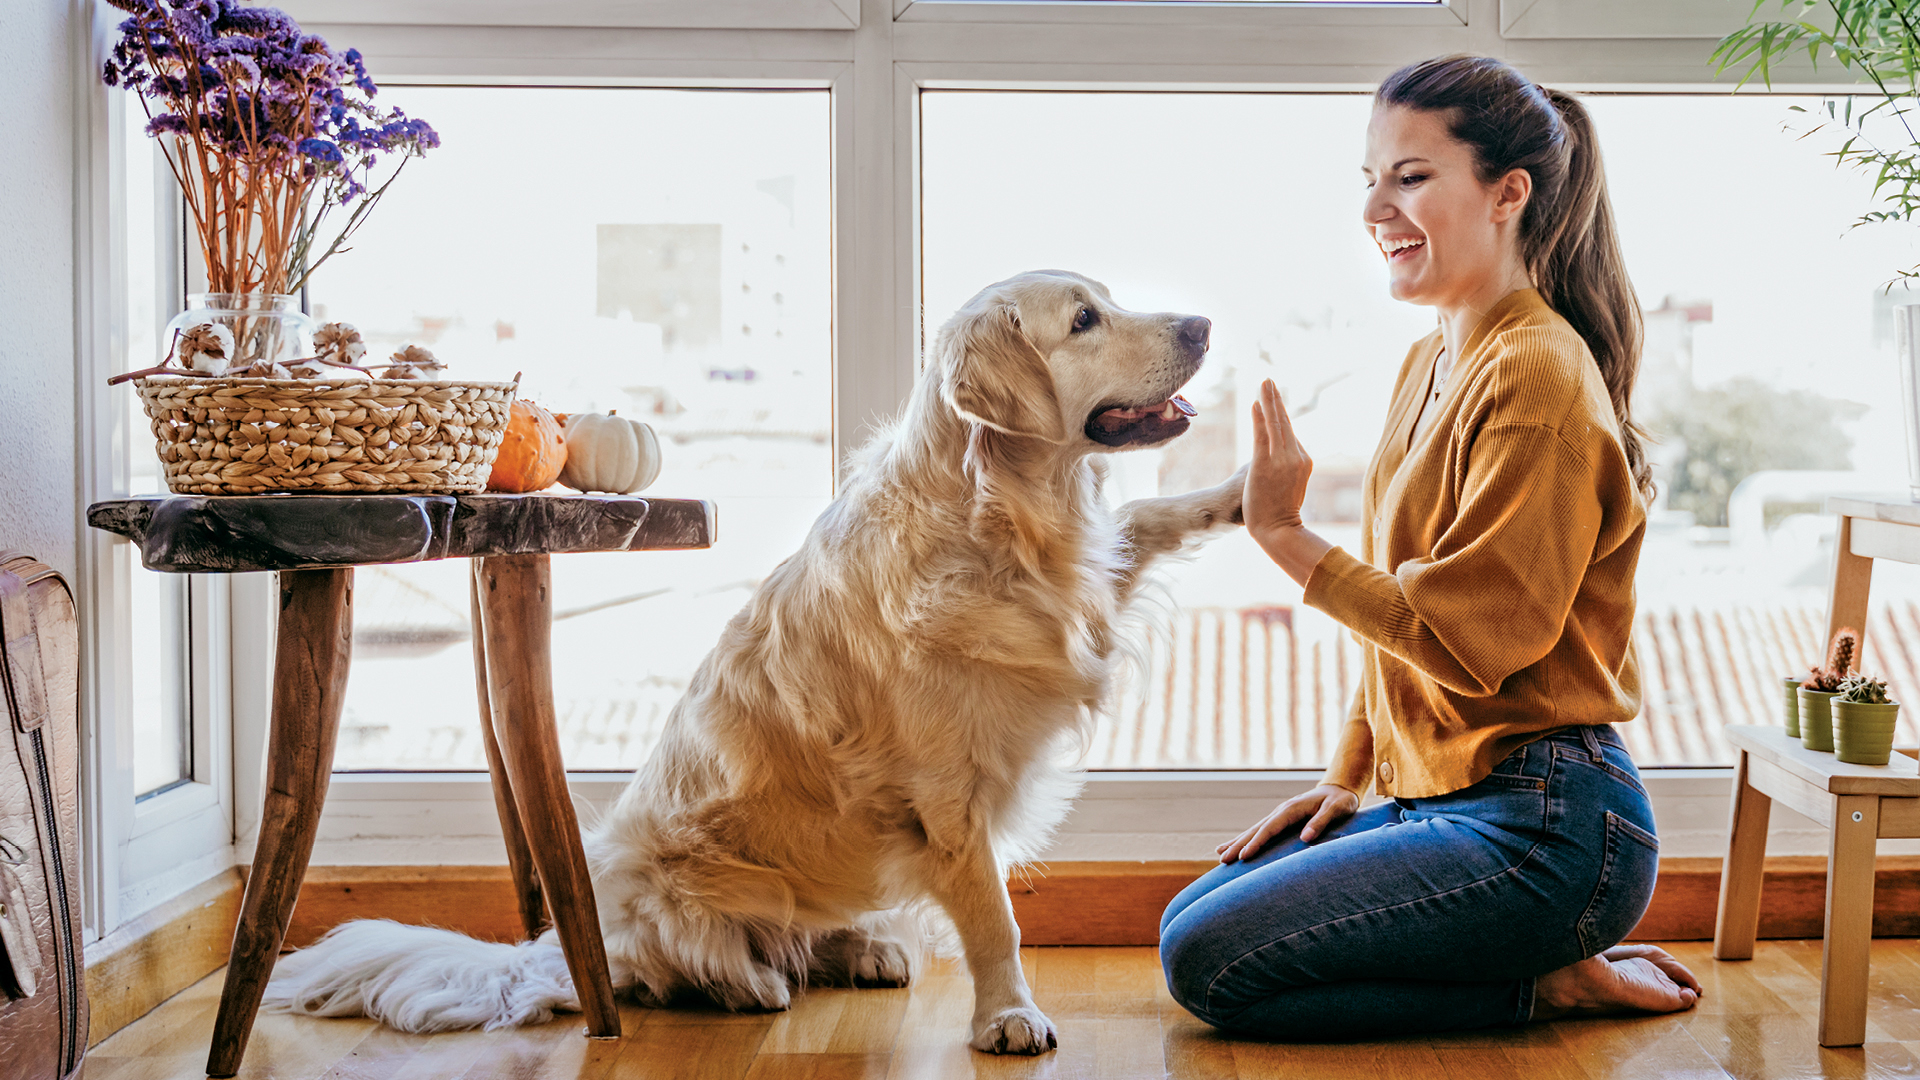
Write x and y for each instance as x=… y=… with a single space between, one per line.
x=1446 y=236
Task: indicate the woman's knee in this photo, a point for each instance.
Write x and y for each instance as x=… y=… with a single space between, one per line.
x=1188 y=966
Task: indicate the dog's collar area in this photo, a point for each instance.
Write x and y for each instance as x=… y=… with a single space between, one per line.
x=1140 y=425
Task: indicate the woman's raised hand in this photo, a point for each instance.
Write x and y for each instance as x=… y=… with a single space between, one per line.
x=1277 y=480
x=1276 y=486
x=1322 y=808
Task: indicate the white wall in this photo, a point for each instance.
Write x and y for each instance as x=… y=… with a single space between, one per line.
x=38 y=512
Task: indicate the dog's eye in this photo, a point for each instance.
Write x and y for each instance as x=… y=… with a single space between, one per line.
x=1083 y=319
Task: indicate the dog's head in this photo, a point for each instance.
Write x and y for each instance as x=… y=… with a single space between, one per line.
x=1049 y=355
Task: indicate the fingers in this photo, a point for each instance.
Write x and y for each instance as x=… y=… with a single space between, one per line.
x=1276 y=412
x=1230 y=851
x=1245 y=845
x=1250 y=843
x=1262 y=440
x=1329 y=815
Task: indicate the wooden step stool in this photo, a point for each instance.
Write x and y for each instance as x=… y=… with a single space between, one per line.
x=1858 y=804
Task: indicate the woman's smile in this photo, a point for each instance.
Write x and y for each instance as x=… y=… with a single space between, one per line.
x=1401 y=248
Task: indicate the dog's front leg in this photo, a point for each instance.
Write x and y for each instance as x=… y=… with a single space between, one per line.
x=1150 y=528
x=967 y=883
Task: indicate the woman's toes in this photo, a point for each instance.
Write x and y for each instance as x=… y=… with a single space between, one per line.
x=1641 y=985
x=1661 y=959
x=1598 y=985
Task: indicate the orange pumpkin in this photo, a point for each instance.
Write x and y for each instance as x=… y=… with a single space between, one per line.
x=532 y=452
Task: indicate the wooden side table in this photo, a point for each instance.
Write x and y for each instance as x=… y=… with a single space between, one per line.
x=314 y=541
x=1858 y=804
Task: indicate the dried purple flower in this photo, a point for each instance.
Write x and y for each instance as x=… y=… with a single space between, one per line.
x=259 y=116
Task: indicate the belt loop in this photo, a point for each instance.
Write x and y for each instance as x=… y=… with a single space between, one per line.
x=1593 y=742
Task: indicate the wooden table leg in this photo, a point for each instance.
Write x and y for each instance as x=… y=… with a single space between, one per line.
x=1738 y=920
x=517 y=614
x=526 y=878
x=1849 y=940
x=1847 y=600
x=309 y=686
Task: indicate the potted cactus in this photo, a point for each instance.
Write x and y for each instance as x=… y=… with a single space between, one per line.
x=1863 y=719
x=1791 y=684
x=1818 y=689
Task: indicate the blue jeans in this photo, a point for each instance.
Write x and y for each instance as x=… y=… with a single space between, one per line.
x=1420 y=915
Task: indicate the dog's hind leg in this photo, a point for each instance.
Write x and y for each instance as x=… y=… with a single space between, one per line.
x=861 y=956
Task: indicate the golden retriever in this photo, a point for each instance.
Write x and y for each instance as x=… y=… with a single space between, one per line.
x=883 y=725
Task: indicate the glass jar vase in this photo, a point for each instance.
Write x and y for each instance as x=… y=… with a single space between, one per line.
x=265 y=326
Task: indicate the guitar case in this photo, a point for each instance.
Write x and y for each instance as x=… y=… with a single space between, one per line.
x=43 y=1000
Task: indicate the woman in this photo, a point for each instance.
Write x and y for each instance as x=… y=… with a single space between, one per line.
x=1493 y=596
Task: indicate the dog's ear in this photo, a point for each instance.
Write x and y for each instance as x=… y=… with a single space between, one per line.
x=996 y=377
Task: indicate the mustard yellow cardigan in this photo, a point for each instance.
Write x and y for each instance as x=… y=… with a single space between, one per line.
x=1493 y=595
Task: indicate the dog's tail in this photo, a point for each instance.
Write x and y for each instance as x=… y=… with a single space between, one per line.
x=419 y=979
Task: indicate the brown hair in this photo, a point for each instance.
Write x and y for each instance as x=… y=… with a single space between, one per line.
x=1567 y=236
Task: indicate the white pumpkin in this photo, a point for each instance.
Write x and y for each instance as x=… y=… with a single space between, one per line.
x=609 y=453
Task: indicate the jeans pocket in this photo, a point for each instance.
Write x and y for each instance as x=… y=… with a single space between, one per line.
x=1628 y=869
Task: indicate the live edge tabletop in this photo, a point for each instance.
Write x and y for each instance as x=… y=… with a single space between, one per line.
x=194 y=534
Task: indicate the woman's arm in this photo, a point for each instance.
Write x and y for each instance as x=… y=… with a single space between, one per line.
x=1492 y=596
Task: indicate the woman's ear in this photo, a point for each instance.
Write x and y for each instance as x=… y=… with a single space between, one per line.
x=1511 y=194
x=996 y=377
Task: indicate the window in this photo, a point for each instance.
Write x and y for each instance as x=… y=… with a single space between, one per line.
x=1261 y=234
x=872 y=120
x=162 y=710
x=662 y=253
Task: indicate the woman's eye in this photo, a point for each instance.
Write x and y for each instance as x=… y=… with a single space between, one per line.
x=1083 y=319
x=1411 y=179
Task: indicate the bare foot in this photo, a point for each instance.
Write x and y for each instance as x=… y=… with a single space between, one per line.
x=1661 y=959
x=1625 y=978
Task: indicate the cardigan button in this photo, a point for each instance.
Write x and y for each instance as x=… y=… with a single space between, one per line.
x=1386 y=772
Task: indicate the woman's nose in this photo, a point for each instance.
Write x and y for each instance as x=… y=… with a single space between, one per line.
x=1376 y=208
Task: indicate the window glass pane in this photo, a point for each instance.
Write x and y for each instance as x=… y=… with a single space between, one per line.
x=1769 y=348
x=663 y=253
x=162 y=731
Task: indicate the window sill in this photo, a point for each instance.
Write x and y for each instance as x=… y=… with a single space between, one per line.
x=448 y=818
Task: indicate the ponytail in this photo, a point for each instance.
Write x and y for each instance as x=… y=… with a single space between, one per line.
x=1568 y=239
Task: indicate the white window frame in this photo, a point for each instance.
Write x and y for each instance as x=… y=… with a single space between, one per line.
x=1287 y=14
x=136 y=852
x=874 y=57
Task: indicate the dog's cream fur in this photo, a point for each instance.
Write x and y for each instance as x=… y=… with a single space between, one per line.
x=882 y=725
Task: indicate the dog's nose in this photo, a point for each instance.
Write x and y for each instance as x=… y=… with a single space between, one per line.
x=1194 y=331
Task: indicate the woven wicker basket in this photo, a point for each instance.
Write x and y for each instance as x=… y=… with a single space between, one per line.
x=254 y=436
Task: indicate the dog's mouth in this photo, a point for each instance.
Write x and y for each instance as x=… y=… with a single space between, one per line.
x=1140 y=425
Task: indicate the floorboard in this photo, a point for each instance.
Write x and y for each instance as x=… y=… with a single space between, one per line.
x=1116 y=1021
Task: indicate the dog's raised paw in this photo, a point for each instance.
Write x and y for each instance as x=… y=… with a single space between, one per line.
x=1221 y=505
x=1016 y=1031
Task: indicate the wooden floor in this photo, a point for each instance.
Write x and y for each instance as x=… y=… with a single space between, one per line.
x=1116 y=1023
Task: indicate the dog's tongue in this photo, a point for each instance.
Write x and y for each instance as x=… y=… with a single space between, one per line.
x=1169 y=409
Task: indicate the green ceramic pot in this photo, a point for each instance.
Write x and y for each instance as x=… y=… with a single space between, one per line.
x=1793 y=706
x=1816 y=722
x=1862 y=733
